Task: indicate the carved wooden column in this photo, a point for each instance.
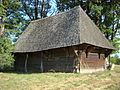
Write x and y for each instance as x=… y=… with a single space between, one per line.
x=77 y=60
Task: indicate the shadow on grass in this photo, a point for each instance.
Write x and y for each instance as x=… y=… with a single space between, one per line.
x=30 y=72
x=18 y=72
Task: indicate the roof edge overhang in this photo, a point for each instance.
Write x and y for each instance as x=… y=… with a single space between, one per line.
x=65 y=47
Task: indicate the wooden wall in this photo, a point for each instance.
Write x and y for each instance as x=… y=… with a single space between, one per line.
x=33 y=62
x=92 y=63
x=58 y=60
x=19 y=63
x=93 y=60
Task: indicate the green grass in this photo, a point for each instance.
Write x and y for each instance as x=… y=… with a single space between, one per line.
x=107 y=80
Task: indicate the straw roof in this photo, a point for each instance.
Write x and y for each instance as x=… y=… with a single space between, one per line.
x=68 y=28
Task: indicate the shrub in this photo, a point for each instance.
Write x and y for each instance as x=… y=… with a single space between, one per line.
x=6 y=57
x=115 y=60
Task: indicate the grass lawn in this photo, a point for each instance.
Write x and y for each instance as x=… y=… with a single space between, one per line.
x=107 y=80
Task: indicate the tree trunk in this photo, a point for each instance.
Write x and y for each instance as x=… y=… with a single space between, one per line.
x=36 y=9
x=2 y=27
x=41 y=11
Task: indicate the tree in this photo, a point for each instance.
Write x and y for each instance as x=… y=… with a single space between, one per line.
x=36 y=9
x=6 y=57
x=12 y=21
x=115 y=59
x=11 y=25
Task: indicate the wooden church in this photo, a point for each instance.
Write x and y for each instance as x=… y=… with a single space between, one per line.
x=65 y=42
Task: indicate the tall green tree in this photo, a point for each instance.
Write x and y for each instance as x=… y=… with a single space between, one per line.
x=12 y=23
x=6 y=57
x=35 y=9
x=115 y=59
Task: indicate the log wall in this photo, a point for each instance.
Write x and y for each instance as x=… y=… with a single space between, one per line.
x=59 y=60
x=92 y=63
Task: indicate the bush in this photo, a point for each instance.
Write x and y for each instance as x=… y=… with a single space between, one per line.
x=6 y=57
x=115 y=60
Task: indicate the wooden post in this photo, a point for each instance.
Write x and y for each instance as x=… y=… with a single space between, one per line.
x=41 y=65
x=80 y=59
x=26 y=63
x=77 y=60
x=109 y=59
x=68 y=57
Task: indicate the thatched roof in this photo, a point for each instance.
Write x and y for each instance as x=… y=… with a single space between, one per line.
x=68 y=28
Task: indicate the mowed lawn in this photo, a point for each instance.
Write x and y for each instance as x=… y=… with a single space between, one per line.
x=107 y=80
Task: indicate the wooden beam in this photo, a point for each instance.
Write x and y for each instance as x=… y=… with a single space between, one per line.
x=107 y=52
x=68 y=51
x=77 y=60
x=41 y=63
x=99 y=55
x=41 y=66
x=26 y=60
x=88 y=49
